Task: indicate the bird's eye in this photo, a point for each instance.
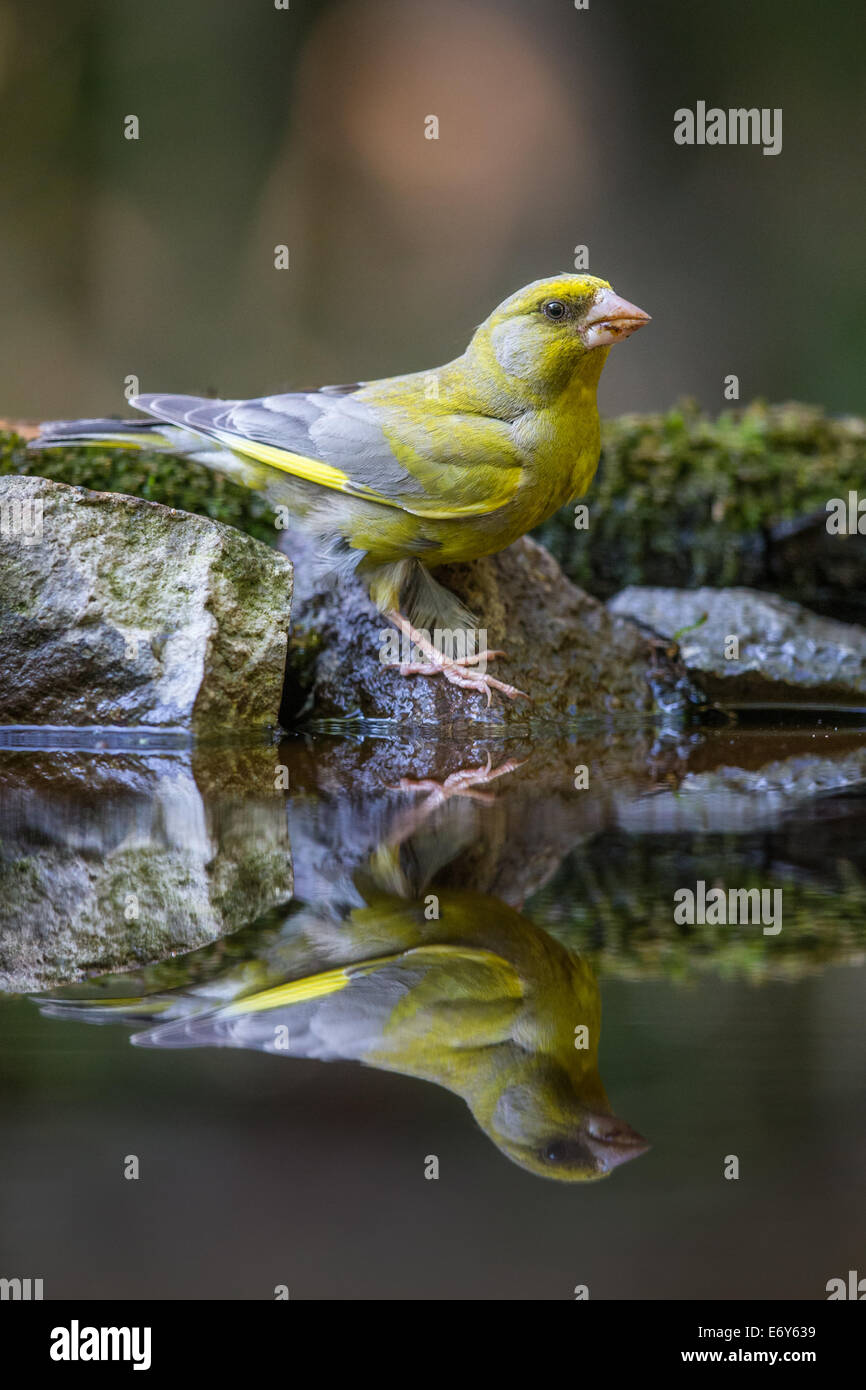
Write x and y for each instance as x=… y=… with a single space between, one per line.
x=554 y=309
x=556 y=1152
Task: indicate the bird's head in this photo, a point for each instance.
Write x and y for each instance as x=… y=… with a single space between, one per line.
x=552 y=1131
x=545 y=333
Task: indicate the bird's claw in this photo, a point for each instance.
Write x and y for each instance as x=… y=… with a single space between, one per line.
x=454 y=668
x=462 y=783
x=456 y=672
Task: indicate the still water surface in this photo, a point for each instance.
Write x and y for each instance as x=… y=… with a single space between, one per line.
x=423 y=1024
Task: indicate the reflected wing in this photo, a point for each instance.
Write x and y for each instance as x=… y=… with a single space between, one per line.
x=437 y=995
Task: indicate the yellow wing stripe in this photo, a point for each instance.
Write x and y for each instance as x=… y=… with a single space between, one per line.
x=293 y=992
x=332 y=981
x=312 y=470
x=313 y=987
x=108 y=441
x=315 y=471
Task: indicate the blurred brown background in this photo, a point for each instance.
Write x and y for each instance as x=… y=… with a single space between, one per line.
x=261 y=126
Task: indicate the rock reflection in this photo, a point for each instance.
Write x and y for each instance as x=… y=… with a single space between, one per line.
x=110 y=858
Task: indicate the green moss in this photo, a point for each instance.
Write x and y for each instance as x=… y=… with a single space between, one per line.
x=175 y=482
x=305 y=645
x=620 y=915
x=682 y=499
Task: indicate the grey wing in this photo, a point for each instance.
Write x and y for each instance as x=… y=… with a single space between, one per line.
x=347 y=1024
x=330 y=426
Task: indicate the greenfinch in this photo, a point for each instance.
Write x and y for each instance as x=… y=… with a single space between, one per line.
x=479 y=1001
x=397 y=477
x=457 y=988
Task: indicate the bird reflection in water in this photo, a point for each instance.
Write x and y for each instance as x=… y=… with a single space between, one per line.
x=394 y=970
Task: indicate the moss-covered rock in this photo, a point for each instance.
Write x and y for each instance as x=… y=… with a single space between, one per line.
x=684 y=500
x=156 y=477
x=117 y=611
x=679 y=499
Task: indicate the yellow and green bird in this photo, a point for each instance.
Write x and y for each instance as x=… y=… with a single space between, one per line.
x=479 y=1001
x=397 y=477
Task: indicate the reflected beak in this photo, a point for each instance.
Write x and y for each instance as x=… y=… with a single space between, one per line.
x=610 y=1140
x=610 y=319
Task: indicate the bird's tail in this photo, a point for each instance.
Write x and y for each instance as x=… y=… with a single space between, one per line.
x=154 y=436
x=121 y=434
x=129 y=1010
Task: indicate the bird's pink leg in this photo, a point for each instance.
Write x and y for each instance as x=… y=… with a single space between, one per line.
x=456 y=669
x=462 y=783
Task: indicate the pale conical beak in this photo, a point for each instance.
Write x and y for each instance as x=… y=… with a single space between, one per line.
x=610 y=319
x=610 y=1140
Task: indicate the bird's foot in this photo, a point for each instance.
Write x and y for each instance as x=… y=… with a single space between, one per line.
x=462 y=783
x=456 y=669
